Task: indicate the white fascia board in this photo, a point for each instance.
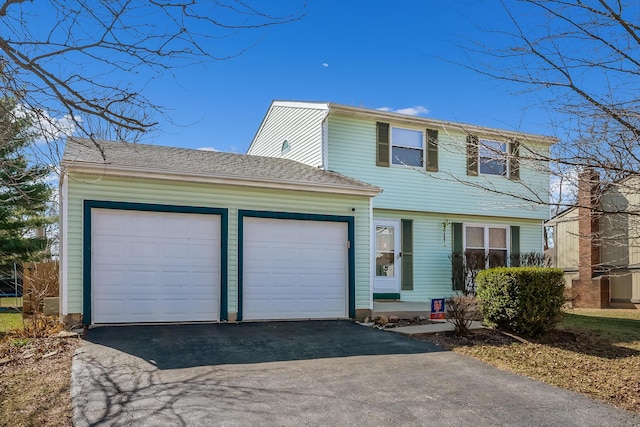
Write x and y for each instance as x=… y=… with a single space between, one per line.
x=121 y=171
x=481 y=131
x=302 y=104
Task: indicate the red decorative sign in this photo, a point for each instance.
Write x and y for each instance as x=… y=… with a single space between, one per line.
x=437 y=308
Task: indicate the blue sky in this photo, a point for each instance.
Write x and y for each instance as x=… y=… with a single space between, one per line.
x=371 y=54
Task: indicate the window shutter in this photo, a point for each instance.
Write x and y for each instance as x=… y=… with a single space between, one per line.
x=432 y=150
x=407 y=255
x=382 y=144
x=515 y=246
x=457 y=257
x=514 y=160
x=472 y=155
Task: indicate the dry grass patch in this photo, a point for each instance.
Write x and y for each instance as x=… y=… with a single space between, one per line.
x=35 y=378
x=593 y=352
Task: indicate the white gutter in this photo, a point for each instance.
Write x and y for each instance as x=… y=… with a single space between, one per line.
x=346 y=110
x=136 y=172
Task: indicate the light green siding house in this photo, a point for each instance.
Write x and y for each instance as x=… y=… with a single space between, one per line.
x=162 y=234
x=450 y=190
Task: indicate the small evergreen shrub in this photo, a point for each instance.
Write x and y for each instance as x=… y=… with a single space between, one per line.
x=523 y=300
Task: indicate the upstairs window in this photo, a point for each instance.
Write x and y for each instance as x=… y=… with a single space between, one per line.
x=493 y=157
x=407 y=147
x=489 y=157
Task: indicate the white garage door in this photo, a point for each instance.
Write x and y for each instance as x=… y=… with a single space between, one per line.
x=154 y=266
x=294 y=269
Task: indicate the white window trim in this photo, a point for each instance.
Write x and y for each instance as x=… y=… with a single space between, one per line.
x=486 y=239
x=391 y=145
x=507 y=145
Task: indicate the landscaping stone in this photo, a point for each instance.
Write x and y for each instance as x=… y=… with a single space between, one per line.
x=381 y=320
x=394 y=319
x=68 y=334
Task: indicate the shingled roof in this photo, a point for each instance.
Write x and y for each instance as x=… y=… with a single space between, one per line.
x=108 y=157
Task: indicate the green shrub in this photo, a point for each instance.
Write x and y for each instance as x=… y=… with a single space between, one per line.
x=523 y=300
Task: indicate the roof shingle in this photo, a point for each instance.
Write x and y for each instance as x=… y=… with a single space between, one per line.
x=168 y=160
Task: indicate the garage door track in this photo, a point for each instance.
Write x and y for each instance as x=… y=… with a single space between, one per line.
x=305 y=373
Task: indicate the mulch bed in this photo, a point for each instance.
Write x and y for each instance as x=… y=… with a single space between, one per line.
x=450 y=341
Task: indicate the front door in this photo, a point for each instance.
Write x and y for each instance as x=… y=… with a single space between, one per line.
x=387 y=265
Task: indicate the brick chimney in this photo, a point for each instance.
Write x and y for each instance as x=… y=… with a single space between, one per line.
x=590 y=290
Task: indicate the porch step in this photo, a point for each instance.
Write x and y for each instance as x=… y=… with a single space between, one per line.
x=402 y=309
x=624 y=304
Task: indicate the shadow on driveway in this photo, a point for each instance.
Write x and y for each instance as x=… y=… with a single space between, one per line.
x=185 y=346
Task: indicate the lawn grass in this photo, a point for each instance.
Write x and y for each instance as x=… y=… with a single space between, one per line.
x=593 y=352
x=6 y=302
x=619 y=326
x=10 y=321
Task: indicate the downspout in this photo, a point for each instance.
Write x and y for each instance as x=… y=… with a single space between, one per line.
x=63 y=192
x=372 y=254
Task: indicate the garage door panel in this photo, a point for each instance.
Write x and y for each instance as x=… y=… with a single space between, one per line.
x=154 y=266
x=294 y=269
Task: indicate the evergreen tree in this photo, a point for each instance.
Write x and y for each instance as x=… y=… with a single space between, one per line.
x=24 y=193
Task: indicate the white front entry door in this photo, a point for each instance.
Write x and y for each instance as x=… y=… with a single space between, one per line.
x=387 y=252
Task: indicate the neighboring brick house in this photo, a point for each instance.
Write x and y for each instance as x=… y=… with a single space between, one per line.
x=597 y=242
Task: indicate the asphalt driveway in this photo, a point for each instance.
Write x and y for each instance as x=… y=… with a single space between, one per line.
x=305 y=373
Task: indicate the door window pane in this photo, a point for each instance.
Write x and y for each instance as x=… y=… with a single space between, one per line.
x=384 y=264
x=385 y=251
x=385 y=239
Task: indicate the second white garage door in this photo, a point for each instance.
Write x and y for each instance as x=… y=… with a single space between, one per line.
x=154 y=266
x=294 y=269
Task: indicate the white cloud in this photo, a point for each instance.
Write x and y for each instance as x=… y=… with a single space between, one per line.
x=564 y=187
x=47 y=127
x=207 y=149
x=410 y=111
x=413 y=111
x=325 y=65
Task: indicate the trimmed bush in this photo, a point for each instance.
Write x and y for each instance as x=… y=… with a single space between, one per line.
x=523 y=300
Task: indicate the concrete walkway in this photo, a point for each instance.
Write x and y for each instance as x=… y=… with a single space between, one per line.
x=431 y=328
x=320 y=373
